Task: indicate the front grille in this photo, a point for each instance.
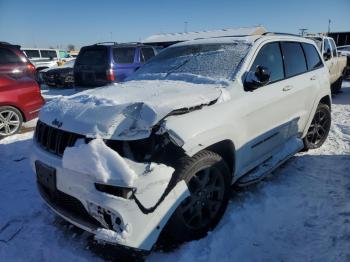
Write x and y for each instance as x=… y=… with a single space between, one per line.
x=54 y=140
x=67 y=205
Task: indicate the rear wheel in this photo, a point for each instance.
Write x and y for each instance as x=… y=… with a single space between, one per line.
x=10 y=121
x=319 y=128
x=208 y=180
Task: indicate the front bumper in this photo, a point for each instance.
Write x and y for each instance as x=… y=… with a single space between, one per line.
x=78 y=202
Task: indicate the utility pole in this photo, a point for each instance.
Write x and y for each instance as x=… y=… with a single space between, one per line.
x=111 y=34
x=185 y=29
x=302 y=31
x=329 y=25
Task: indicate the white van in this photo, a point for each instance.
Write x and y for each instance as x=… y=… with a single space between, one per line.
x=42 y=58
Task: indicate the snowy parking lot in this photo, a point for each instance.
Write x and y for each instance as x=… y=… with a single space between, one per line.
x=299 y=213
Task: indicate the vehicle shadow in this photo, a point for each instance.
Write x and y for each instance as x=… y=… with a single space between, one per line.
x=343 y=98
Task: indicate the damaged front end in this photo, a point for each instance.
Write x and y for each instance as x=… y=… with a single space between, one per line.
x=130 y=209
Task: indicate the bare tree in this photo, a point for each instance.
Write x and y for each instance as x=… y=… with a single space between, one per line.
x=70 y=47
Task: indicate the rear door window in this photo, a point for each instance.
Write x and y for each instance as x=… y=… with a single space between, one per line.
x=294 y=59
x=146 y=54
x=8 y=57
x=312 y=57
x=92 y=57
x=270 y=57
x=32 y=53
x=124 y=55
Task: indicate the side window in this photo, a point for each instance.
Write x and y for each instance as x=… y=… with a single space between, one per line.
x=8 y=57
x=327 y=46
x=334 y=49
x=32 y=53
x=294 y=59
x=146 y=54
x=312 y=57
x=270 y=57
x=48 y=54
x=124 y=55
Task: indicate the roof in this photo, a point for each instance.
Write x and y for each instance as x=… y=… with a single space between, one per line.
x=180 y=37
x=245 y=39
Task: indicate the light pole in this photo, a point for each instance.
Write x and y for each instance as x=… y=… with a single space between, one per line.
x=185 y=28
x=302 y=31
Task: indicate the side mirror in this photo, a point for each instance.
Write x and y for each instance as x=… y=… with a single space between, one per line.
x=257 y=78
x=327 y=55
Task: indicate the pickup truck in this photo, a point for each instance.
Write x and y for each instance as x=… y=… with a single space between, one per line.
x=335 y=62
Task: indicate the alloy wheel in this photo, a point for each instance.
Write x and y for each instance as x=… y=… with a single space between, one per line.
x=207 y=189
x=319 y=127
x=9 y=122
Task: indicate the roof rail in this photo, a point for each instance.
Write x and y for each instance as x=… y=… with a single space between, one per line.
x=210 y=37
x=102 y=43
x=277 y=33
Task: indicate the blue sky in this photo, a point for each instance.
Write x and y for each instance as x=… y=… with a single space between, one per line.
x=50 y=23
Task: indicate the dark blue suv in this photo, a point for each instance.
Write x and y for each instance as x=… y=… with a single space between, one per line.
x=104 y=63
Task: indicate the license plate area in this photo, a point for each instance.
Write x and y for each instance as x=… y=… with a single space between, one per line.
x=46 y=176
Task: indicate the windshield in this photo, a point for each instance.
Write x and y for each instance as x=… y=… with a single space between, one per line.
x=214 y=61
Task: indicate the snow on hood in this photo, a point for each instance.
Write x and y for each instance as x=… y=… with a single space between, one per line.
x=126 y=111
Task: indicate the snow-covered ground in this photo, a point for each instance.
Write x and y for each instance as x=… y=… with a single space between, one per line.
x=300 y=213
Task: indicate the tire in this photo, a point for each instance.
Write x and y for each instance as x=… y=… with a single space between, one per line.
x=208 y=179
x=11 y=121
x=336 y=87
x=319 y=128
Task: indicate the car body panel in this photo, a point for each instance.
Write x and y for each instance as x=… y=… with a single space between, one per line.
x=24 y=94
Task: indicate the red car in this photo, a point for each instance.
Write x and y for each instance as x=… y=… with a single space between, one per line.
x=20 y=96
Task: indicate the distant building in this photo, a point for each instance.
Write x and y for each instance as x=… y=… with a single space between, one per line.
x=340 y=38
x=173 y=38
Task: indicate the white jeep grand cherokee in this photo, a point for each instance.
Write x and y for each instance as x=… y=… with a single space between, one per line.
x=159 y=152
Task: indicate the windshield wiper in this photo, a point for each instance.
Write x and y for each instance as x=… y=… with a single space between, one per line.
x=178 y=66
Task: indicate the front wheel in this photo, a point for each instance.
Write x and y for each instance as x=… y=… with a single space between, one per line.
x=10 y=121
x=319 y=128
x=208 y=179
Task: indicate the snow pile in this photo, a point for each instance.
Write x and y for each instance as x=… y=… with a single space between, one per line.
x=106 y=164
x=128 y=110
x=105 y=235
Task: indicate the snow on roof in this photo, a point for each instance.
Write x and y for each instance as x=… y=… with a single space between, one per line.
x=179 y=37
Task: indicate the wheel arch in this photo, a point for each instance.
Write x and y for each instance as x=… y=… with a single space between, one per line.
x=326 y=100
x=226 y=149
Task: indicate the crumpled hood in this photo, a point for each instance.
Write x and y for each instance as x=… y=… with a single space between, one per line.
x=125 y=111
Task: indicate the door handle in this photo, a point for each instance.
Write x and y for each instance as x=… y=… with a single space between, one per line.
x=313 y=78
x=287 y=88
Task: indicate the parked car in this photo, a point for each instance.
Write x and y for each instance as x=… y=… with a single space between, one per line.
x=20 y=101
x=159 y=152
x=345 y=51
x=42 y=58
x=335 y=63
x=59 y=76
x=105 y=63
x=14 y=63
